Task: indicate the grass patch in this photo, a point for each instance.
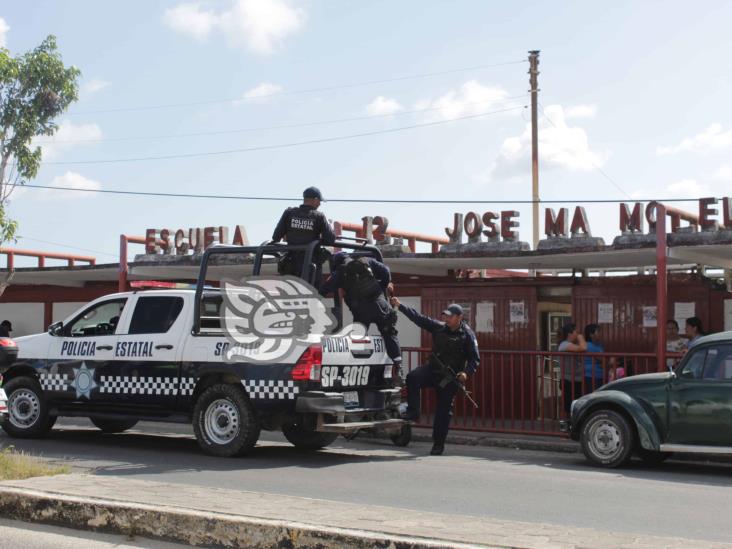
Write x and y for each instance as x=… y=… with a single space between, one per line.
x=18 y=466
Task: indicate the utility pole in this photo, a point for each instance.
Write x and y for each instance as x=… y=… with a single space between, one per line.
x=533 y=81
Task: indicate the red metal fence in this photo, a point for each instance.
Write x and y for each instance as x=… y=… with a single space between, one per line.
x=529 y=391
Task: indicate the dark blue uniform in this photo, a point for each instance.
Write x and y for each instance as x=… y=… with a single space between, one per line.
x=303 y=225
x=456 y=348
x=371 y=307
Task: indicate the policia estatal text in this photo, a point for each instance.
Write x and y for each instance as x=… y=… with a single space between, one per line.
x=454 y=343
x=363 y=283
x=303 y=225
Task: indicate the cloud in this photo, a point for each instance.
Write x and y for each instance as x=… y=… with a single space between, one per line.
x=471 y=98
x=684 y=188
x=261 y=93
x=383 y=106
x=723 y=173
x=190 y=19
x=560 y=146
x=68 y=136
x=580 y=111
x=4 y=28
x=259 y=25
x=711 y=139
x=70 y=180
x=93 y=86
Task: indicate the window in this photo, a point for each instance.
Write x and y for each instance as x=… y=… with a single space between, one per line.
x=101 y=319
x=693 y=367
x=155 y=314
x=211 y=313
x=718 y=363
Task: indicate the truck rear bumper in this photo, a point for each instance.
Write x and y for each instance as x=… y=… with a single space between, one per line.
x=320 y=402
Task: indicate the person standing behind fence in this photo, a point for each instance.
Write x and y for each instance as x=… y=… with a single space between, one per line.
x=572 y=367
x=694 y=330
x=594 y=367
x=674 y=342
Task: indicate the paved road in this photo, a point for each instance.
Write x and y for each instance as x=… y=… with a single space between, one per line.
x=22 y=535
x=675 y=499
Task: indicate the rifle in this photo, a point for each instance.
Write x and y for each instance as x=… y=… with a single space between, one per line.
x=451 y=377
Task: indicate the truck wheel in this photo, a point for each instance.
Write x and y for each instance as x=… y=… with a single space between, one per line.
x=28 y=415
x=224 y=421
x=307 y=440
x=403 y=437
x=607 y=439
x=651 y=457
x=113 y=425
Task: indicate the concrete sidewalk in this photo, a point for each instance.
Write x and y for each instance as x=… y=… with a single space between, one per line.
x=232 y=518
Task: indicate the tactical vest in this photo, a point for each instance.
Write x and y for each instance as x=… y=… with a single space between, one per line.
x=450 y=347
x=302 y=226
x=359 y=280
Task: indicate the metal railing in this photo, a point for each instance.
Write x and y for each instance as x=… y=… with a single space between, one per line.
x=529 y=392
x=41 y=257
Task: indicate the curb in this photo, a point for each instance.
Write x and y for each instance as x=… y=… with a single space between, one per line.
x=196 y=527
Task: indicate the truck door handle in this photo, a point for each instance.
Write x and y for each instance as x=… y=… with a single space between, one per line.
x=163 y=346
x=104 y=347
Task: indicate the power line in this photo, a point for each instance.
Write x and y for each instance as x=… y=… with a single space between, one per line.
x=65 y=245
x=283 y=145
x=300 y=91
x=598 y=168
x=352 y=200
x=266 y=128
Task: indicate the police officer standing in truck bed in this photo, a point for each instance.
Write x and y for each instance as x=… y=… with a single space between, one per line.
x=454 y=344
x=302 y=225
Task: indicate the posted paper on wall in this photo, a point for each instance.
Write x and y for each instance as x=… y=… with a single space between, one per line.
x=650 y=317
x=604 y=313
x=517 y=312
x=682 y=311
x=484 y=317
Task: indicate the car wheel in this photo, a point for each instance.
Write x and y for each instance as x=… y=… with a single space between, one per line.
x=651 y=457
x=403 y=437
x=28 y=415
x=224 y=421
x=113 y=425
x=305 y=439
x=607 y=439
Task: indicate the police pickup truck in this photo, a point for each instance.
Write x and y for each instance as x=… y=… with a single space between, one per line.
x=162 y=355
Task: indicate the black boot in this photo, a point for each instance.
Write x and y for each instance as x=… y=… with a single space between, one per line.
x=437 y=449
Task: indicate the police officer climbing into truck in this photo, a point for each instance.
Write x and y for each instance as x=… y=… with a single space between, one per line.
x=302 y=225
x=453 y=348
x=363 y=283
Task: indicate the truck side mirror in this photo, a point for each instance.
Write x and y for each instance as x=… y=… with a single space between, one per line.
x=55 y=328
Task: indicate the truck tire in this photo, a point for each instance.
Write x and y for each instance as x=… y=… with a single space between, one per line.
x=224 y=421
x=28 y=415
x=113 y=425
x=607 y=439
x=307 y=440
x=403 y=437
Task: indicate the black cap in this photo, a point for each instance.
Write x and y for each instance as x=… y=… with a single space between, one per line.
x=7 y=324
x=313 y=192
x=453 y=309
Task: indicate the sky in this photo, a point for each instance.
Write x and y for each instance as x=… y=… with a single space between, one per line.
x=633 y=100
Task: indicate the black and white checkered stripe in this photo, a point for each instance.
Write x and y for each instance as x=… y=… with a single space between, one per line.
x=277 y=389
x=54 y=382
x=187 y=384
x=138 y=385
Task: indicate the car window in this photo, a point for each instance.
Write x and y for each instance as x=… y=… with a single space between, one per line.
x=718 y=363
x=101 y=319
x=693 y=367
x=155 y=314
x=211 y=313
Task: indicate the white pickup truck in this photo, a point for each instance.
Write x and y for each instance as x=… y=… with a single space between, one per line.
x=161 y=355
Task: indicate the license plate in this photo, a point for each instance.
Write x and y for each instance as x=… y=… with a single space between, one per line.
x=350 y=399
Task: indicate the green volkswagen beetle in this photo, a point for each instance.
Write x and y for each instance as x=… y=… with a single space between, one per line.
x=687 y=410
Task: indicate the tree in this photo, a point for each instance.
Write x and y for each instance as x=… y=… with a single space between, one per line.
x=35 y=88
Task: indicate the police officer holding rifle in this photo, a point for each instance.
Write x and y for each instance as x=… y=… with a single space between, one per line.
x=454 y=356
